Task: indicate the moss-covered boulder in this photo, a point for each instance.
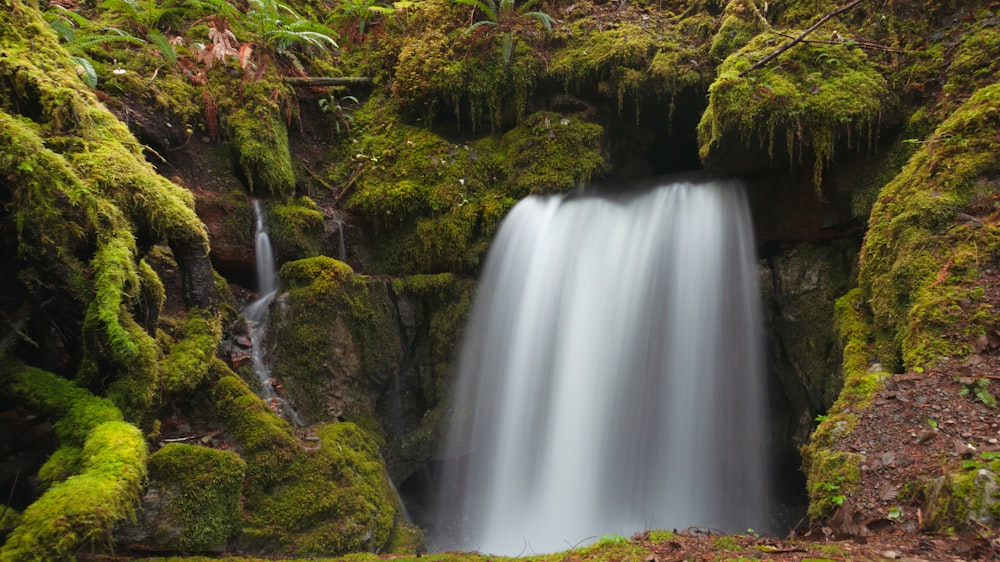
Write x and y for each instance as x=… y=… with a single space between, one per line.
x=338 y=339
x=327 y=494
x=296 y=229
x=815 y=98
x=333 y=500
x=967 y=499
x=192 y=503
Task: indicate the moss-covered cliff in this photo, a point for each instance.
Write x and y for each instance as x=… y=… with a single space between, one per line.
x=880 y=124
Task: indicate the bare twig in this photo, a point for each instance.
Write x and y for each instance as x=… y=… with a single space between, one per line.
x=861 y=44
x=799 y=39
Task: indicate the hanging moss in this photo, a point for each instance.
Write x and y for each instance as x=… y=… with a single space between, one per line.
x=296 y=229
x=919 y=269
x=435 y=204
x=813 y=97
x=261 y=143
x=204 y=486
x=440 y=69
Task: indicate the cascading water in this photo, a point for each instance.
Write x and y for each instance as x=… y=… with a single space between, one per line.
x=257 y=312
x=611 y=379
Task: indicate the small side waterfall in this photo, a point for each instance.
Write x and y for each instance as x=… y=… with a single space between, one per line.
x=257 y=315
x=342 y=249
x=612 y=376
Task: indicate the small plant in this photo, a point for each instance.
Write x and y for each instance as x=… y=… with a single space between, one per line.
x=353 y=17
x=339 y=111
x=980 y=388
x=895 y=513
x=280 y=28
x=506 y=21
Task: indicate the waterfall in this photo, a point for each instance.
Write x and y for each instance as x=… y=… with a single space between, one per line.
x=257 y=315
x=612 y=377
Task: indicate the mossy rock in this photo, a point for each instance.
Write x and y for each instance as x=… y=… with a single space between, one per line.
x=296 y=229
x=435 y=204
x=338 y=339
x=260 y=140
x=336 y=499
x=193 y=502
x=965 y=499
x=265 y=440
x=833 y=475
x=920 y=266
x=813 y=99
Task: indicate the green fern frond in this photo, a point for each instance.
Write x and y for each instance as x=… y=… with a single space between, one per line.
x=163 y=44
x=546 y=20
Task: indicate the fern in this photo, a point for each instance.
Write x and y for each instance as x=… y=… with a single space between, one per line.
x=506 y=20
x=162 y=42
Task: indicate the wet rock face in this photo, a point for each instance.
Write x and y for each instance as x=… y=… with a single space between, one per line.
x=229 y=220
x=800 y=284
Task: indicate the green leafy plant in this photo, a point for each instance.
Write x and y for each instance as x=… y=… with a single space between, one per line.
x=339 y=110
x=144 y=15
x=980 y=388
x=353 y=17
x=280 y=28
x=505 y=20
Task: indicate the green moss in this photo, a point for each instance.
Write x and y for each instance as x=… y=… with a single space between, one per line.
x=831 y=477
x=205 y=486
x=296 y=229
x=440 y=68
x=435 y=204
x=106 y=457
x=662 y=55
x=261 y=143
x=76 y=410
x=267 y=443
x=919 y=269
x=83 y=509
x=337 y=500
x=964 y=499
x=187 y=364
x=61 y=464
x=741 y=22
x=813 y=97
x=9 y=518
x=338 y=329
x=69 y=156
x=831 y=474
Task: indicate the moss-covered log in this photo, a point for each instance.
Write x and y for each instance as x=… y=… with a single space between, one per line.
x=103 y=485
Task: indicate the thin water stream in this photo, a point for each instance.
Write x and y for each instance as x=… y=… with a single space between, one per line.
x=257 y=316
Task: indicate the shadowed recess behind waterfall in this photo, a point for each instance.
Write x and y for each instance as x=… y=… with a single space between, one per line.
x=612 y=378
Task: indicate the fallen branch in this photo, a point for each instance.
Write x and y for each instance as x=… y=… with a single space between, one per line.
x=799 y=39
x=306 y=82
